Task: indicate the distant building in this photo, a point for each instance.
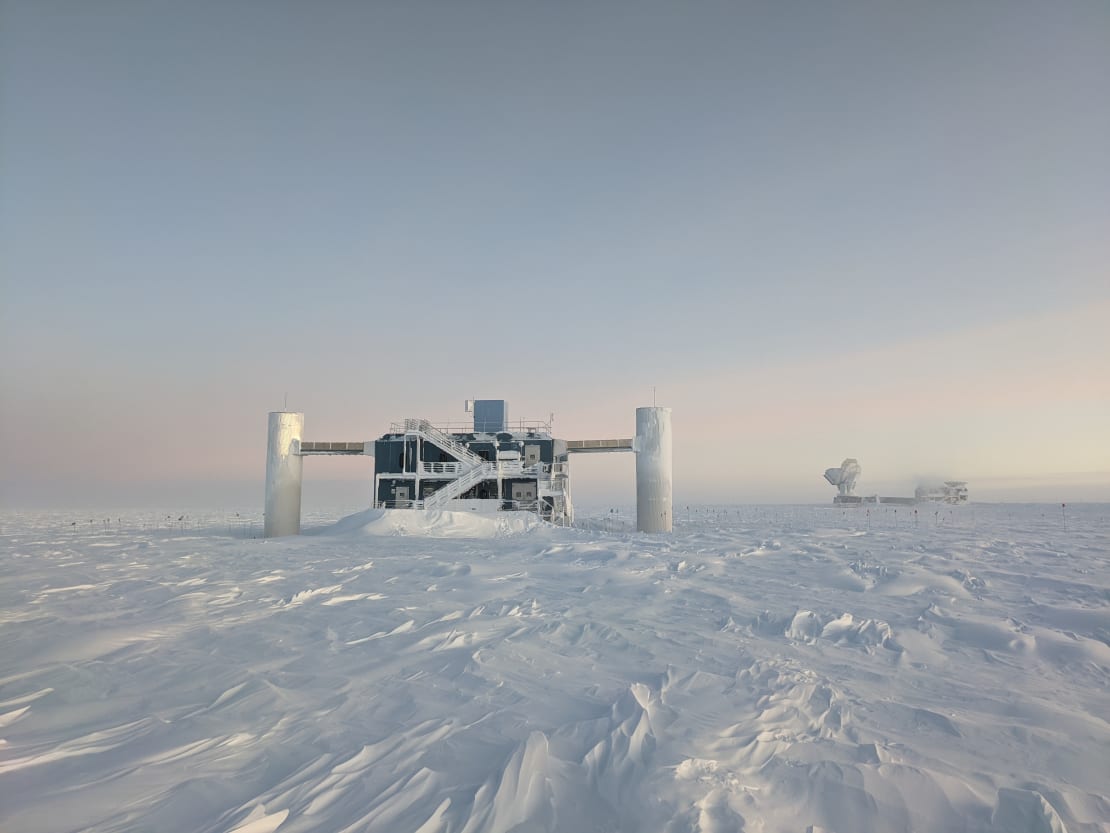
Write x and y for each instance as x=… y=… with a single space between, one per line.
x=844 y=478
x=951 y=491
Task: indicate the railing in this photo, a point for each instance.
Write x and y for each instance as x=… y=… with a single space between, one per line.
x=504 y=504
x=537 y=505
x=467 y=427
x=317 y=447
x=507 y=468
x=442 y=440
x=399 y=504
x=551 y=488
x=455 y=488
x=451 y=469
x=625 y=444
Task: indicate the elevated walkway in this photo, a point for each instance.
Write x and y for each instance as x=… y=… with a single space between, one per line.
x=598 y=446
x=311 y=449
x=465 y=456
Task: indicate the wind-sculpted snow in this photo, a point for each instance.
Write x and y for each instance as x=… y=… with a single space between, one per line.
x=761 y=669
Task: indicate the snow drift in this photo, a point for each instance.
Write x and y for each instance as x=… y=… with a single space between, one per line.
x=769 y=669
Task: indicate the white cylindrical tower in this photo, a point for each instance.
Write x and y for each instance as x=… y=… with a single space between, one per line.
x=283 y=475
x=653 y=469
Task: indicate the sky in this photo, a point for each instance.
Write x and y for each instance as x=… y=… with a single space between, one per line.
x=814 y=230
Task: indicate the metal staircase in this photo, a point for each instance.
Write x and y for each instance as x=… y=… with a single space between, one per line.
x=457 y=487
x=472 y=469
x=425 y=430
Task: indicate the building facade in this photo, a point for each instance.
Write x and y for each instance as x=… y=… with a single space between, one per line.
x=492 y=466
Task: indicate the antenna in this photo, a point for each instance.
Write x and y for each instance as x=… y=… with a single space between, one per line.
x=285 y=404
x=653 y=396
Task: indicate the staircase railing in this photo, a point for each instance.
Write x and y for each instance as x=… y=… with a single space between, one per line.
x=455 y=488
x=444 y=441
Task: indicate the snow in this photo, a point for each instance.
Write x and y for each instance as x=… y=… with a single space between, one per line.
x=760 y=669
x=434 y=523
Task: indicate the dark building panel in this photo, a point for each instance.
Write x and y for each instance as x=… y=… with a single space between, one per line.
x=490 y=415
x=390 y=455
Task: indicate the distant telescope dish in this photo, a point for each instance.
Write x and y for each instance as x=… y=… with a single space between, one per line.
x=844 y=478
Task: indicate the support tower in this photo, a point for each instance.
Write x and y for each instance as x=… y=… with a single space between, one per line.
x=283 y=474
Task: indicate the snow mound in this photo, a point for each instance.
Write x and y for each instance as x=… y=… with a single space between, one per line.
x=1026 y=811
x=433 y=523
x=845 y=630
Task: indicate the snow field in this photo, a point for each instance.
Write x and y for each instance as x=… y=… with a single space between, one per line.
x=761 y=669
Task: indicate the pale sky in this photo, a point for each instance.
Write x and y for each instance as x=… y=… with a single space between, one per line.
x=819 y=230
